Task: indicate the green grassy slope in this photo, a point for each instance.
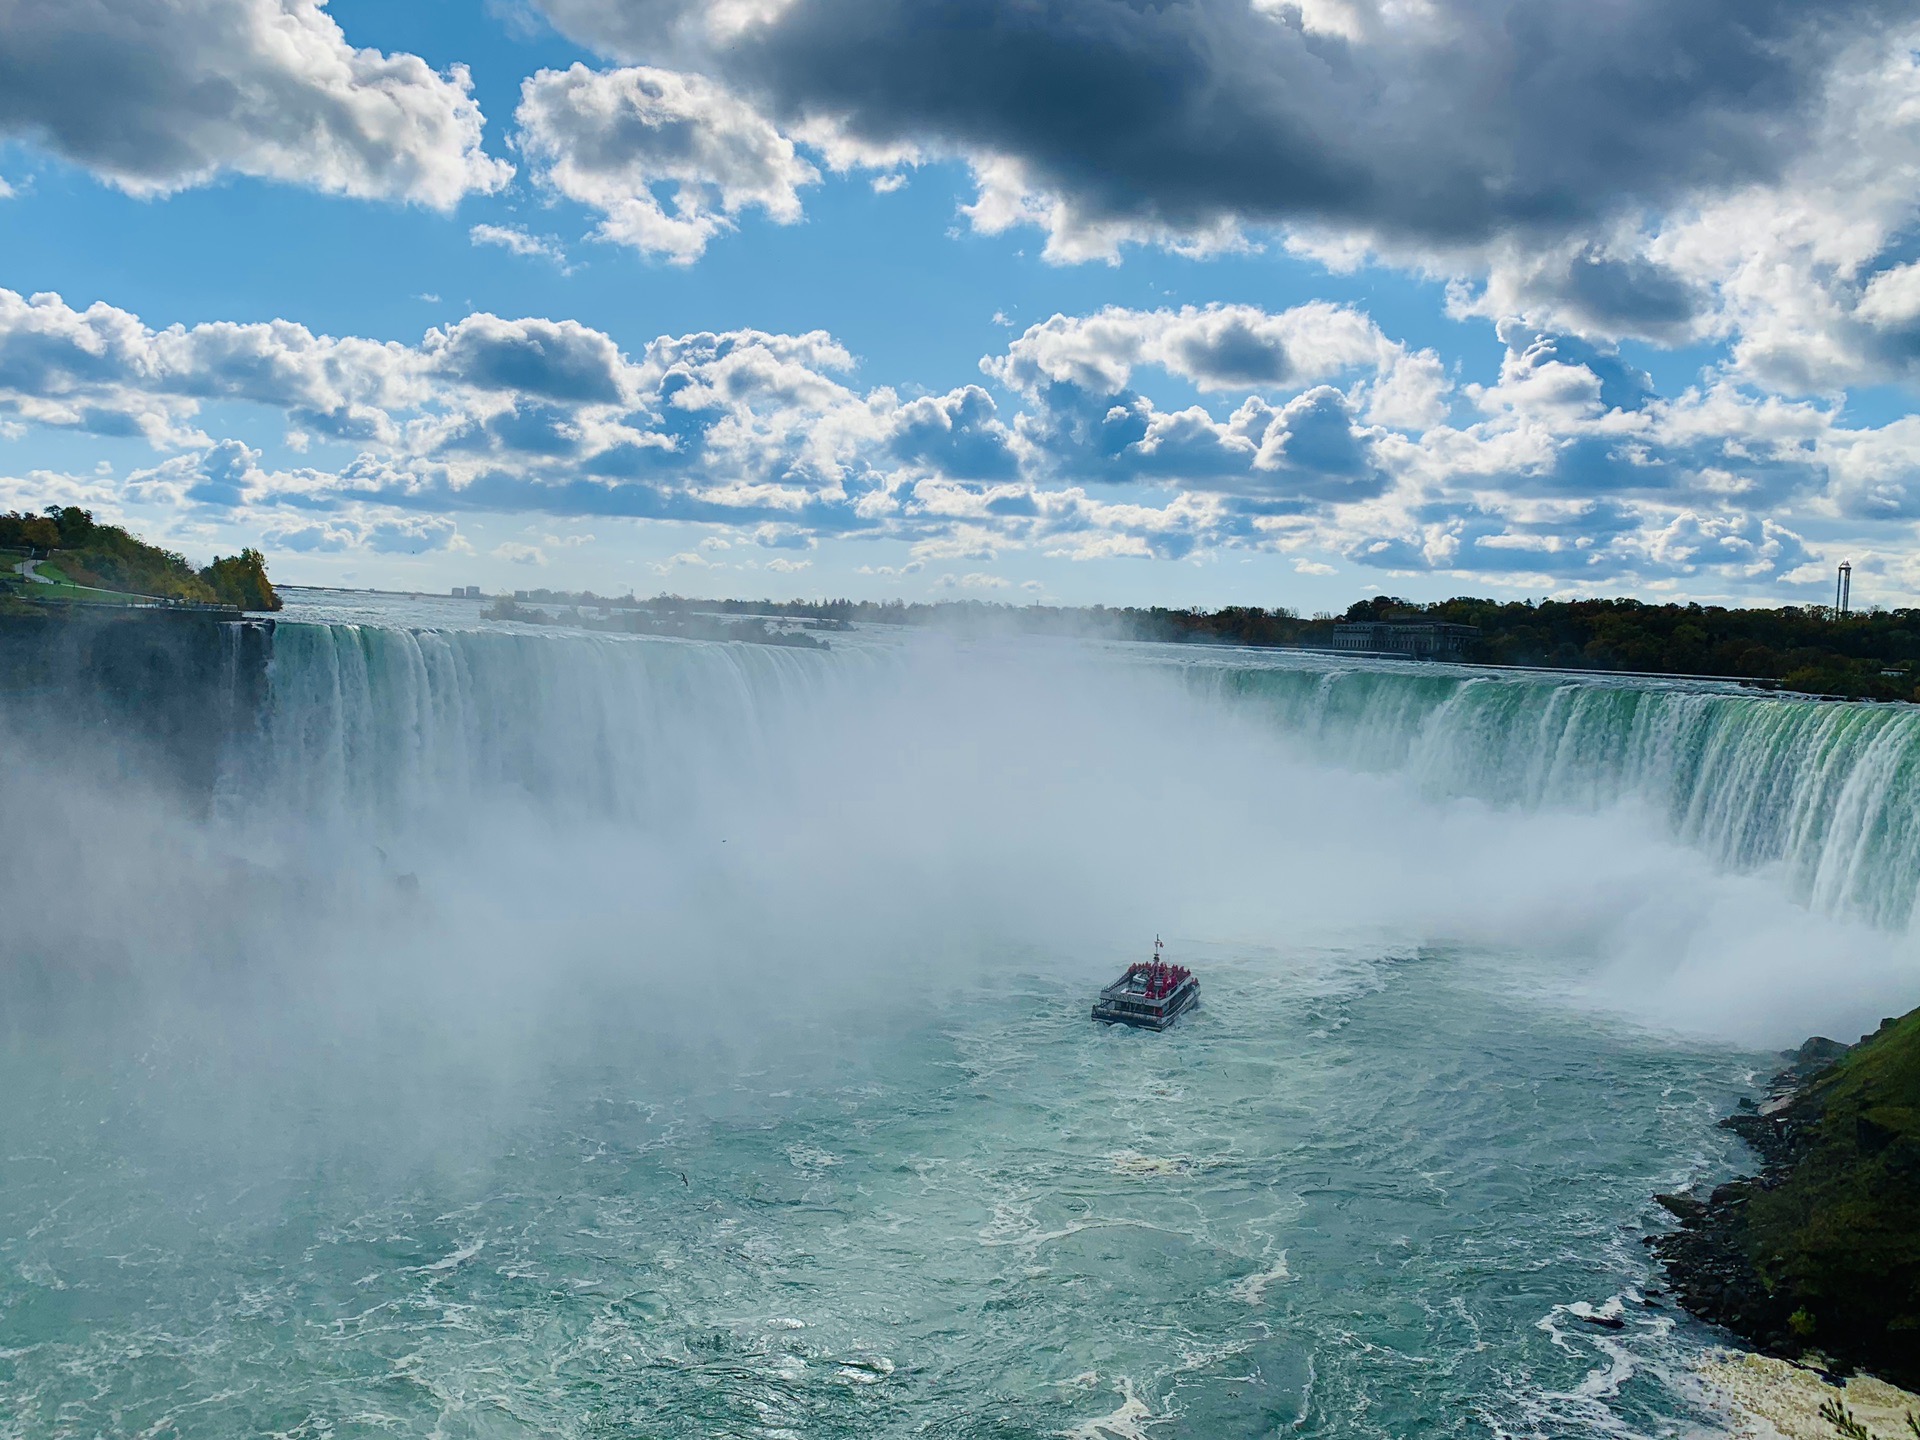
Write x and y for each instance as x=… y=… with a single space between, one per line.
x=1837 y=1240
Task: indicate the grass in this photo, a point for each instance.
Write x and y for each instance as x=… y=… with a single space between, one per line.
x=23 y=589
x=61 y=587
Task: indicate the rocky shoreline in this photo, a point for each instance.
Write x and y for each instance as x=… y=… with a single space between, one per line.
x=1817 y=1256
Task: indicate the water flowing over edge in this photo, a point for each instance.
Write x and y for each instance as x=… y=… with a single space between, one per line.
x=376 y=726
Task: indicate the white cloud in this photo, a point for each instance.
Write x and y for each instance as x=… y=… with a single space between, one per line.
x=1008 y=196
x=1571 y=468
x=103 y=369
x=520 y=554
x=159 y=95
x=1805 y=274
x=1217 y=348
x=517 y=241
x=356 y=528
x=613 y=140
x=972 y=580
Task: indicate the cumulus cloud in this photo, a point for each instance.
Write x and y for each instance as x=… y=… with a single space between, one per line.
x=104 y=370
x=1805 y=273
x=1088 y=421
x=1738 y=172
x=547 y=359
x=158 y=95
x=1442 y=123
x=224 y=476
x=1216 y=348
x=618 y=141
x=1314 y=435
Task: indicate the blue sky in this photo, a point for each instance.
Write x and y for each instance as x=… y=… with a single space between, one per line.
x=1216 y=301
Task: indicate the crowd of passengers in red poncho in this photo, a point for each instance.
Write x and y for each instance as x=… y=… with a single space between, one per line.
x=1162 y=979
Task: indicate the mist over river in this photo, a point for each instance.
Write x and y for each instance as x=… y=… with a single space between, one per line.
x=544 y=1033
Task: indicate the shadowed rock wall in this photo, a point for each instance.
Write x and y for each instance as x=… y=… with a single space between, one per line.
x=147 y=695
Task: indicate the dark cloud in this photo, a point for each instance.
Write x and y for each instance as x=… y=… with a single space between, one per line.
x=1444 y=125
x=1631 y=295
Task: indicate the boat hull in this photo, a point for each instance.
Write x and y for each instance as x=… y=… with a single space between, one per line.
x=1147 y=1015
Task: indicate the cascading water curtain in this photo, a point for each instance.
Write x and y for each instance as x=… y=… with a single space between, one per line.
x=376 y=727
x=1829 y=791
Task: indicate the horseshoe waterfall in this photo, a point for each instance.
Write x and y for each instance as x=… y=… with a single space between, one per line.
x=519 y=1031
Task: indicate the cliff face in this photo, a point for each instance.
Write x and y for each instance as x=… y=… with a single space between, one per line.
x=154 y=694
x=1820 y=1252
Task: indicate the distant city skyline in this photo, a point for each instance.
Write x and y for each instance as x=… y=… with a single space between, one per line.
x=1212 y=302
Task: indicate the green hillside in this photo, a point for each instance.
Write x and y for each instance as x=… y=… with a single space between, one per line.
x=90 y=561
x=1838 y=1239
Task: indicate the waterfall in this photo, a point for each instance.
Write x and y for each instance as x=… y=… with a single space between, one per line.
x=381 y=726
x=1827 y=791
x=378 y=727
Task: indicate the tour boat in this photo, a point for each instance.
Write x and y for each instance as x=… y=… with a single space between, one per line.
x=1150 y=995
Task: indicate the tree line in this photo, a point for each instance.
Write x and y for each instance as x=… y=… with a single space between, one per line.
x=1875 y=654
x=108 y=557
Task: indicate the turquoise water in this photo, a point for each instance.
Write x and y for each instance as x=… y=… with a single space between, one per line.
x=592 y=1037
x=1354 y=1195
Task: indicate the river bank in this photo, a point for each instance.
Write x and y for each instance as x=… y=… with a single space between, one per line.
x=1817 y=1256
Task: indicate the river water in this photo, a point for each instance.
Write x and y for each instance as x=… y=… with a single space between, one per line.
x=590 y=1037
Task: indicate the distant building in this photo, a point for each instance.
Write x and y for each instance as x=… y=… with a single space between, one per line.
x=521 y=595
x=473 y=592
x=466 y=592
x=1420 y=639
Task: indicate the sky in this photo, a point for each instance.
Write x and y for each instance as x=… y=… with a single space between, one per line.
x=1270 y=302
